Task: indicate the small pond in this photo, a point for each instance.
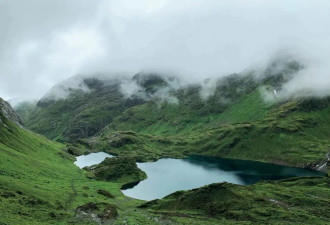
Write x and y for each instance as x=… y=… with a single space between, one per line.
x=91 y=159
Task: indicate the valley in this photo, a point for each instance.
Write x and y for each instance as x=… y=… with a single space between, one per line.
x=160 y=112
x=235 y=122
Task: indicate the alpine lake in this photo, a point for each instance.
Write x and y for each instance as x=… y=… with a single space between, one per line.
x=167 y=175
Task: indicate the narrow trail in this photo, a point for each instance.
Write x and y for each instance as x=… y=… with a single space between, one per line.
x=74 y=194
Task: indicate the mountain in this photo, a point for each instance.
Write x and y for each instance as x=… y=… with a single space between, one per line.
x=82 y=106
x=9 y=113
x=82 y=113
x=152 y=115
x=39 y=184
x=24 y=108
x=35 y=174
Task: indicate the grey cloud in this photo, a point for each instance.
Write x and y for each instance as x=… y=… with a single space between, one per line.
x=44 y=42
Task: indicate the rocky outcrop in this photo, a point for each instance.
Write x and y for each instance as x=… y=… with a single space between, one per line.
x=96 y=213
x=9 y=113
x=118 y=169
x=321 y=165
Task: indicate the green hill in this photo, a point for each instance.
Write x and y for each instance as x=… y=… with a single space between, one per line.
x=39 y=184
x=162 y=117
x=80 y=114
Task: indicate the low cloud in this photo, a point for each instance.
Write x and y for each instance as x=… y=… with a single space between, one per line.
x=65 y=88
x=163 y=93
x=130 y=88
x=208 y=88
x=310 y=82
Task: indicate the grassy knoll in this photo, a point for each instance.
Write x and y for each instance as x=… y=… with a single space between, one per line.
x=118 y=169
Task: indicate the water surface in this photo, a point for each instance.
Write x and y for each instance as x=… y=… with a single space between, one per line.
x=166 y=176
x=91 y=159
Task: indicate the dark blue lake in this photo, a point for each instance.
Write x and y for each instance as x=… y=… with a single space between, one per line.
x=166 y=176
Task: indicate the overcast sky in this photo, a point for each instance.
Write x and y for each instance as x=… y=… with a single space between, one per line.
x=43 y=42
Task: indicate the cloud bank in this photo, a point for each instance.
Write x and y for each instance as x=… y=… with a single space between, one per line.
x=45 y=42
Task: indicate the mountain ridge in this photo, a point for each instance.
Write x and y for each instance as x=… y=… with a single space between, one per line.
x=39 y=183
x=240 y=114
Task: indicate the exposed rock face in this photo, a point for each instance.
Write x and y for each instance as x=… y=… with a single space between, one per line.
x=96 y=213
x=321 y=165
x=9 y=113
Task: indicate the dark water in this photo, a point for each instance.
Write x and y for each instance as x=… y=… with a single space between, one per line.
x=169 y=175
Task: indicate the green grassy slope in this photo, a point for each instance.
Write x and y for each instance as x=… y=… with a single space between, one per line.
x=39 y=184
x=149 y=118
x=292 y=132
x=81 y=114
x=236 y=98
x=234 y=121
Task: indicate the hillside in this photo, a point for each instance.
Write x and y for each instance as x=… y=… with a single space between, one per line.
x=39 y=184
x=152 y=103
x=236 y=116
x=233 y=121
x=164 y=112
x=80 y=114
x=291 y=201
x=290 y=134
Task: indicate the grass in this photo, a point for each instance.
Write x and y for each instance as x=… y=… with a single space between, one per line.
x=80 y=115
x=118 y=169
x=39 y=184
x=291 y=201
x=278 y=132
x=234 y=122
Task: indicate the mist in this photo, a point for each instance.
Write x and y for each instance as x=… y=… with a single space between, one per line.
x=45 y=42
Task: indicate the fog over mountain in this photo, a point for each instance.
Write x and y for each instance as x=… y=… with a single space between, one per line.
x=45 y=42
